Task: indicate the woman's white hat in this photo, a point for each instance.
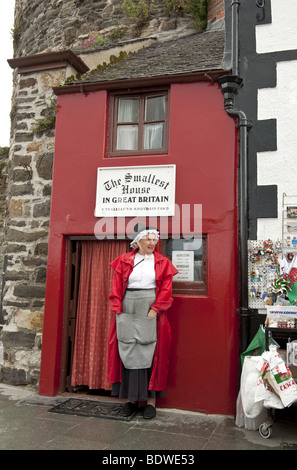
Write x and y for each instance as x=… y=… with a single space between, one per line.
x=140 y=231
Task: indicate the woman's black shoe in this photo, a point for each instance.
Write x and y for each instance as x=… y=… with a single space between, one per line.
x=128 y=409
x=149 y=412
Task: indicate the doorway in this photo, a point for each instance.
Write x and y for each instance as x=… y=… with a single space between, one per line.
x=87 y=314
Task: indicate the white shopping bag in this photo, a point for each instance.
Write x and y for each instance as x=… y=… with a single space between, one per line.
x=242 y=420
x=280 y=377
x=265 y=391
x=252 y=405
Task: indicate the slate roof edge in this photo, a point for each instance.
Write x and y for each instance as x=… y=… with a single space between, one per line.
x=87 y=87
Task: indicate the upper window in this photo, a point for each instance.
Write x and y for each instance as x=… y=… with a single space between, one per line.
x=139 y=124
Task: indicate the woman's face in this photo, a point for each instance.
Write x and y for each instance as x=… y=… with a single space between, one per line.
x=147 y=244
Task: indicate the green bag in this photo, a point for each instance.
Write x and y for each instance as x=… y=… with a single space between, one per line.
x=292 y=294
x=257 y=346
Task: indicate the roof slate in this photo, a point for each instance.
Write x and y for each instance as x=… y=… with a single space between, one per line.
x=195 y=53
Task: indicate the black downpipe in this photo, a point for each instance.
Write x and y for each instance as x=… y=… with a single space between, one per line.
x=234 y=36
x=230 y=85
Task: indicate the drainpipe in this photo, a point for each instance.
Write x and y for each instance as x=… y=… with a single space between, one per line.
x=234 y=35
x=230 y=85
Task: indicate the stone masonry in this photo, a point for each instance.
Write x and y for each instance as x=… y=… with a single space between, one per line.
x=26 y=229
x=52 y=25
x=4 y=152
x=43 y=26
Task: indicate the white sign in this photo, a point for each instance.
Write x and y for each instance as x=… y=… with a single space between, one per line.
x=184 y=263
x=281 y=310
x=135 y=191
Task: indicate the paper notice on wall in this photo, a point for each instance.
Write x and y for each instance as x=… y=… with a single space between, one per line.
x=184 y=263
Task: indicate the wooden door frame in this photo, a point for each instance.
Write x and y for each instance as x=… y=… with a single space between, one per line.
x=72 y=270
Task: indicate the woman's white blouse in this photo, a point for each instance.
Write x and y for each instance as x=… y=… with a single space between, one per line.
x=143 y=275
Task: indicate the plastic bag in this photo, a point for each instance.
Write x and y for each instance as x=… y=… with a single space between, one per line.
x=265 y=392
x=277 y=373
x=252 y=405
x=242 y=420
x=272 y=400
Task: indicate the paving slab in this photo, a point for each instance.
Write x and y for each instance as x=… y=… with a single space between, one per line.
x=27 y=424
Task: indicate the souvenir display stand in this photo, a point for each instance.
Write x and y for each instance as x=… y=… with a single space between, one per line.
x=273 y=292
x=273 y=264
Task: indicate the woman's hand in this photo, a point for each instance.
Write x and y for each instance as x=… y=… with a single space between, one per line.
x=152 y=313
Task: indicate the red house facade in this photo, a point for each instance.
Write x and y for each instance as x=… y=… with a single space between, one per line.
x=200 y=139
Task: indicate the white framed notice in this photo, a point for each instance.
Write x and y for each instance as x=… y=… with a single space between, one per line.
x=184 y=263
x=135 y=191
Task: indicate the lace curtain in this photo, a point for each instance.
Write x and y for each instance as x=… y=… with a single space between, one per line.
x=128 y=111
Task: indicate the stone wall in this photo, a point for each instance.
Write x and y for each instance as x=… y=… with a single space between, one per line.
x=27 y=208
x=26 y=232
x=4 y=152
x=40 y=27
x=56 y=24
x=53 y=25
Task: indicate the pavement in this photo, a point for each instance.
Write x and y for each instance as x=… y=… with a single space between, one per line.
x=27 y=424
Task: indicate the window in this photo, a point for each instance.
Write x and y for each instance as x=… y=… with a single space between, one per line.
x=139 y=123
x=190 y=259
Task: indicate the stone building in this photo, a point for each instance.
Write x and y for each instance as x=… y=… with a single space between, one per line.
x=53 y=41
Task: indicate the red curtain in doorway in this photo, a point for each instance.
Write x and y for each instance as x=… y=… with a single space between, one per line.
x=93 y=313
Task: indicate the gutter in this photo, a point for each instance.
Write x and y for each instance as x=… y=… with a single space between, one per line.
x=230 y=86
x=126 y=83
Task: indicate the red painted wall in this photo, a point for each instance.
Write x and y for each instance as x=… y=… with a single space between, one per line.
x=203 y=145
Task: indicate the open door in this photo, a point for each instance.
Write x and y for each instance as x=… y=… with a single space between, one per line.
x=87 y=314
x=72 y=271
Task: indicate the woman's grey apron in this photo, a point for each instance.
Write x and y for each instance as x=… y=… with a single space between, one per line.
x=136 y=332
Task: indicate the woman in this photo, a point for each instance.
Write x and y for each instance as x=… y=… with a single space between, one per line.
x=140 y=335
